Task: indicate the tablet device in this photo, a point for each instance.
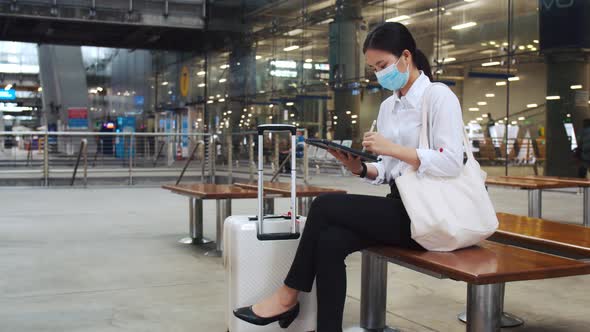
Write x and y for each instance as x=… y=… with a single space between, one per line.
x=327 y=144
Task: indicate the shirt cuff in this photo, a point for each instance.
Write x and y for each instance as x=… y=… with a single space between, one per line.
x=380 y=174
x=425 y=156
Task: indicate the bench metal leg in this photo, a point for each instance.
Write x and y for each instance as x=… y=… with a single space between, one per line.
x=484 y=307
x=587 y=206
x=303 y=205
x=269 y=206
x=373 y=294
x=535 y=203
x=195 y=223
x=506 y=320
x=223 y=207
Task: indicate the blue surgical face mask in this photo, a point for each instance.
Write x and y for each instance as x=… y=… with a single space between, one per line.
x=391 y=78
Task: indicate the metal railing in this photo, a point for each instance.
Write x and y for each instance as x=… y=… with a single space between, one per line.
x=62 y=158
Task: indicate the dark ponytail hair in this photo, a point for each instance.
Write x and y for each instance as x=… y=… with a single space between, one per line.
x=394 y=37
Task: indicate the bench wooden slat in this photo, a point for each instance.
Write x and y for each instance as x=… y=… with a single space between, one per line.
x=561 y=237
x=284 y=188
x=578 y=182
x=526 y=183
x=488 y=263
x=212 y=191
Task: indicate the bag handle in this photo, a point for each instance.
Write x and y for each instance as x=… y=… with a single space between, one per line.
x=424 y=143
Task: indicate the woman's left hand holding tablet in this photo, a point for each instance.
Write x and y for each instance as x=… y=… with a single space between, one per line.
x=352 y=163
x=377 y=144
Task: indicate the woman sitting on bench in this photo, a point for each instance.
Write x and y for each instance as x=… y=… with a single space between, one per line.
x=340 y=224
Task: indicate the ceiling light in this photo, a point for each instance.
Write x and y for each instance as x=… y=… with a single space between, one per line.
x=397 y=18
x=335 y=117
x=354 y=116
x=479 y=119
x=209 y=101
x=40 y=89
x=258 y=57
x=533 y=49
x=500 y=83
x=201 y=73
x=492 y=42
x=165 y=83
x=348 y=112
x=521 y=47
x=290 y=48
x=473 y=109
x=576 y=87
x=308 y=60
x=484 y=115
x=223 y=80
x=501 y=122
x=270 y=117
x=201 y=85
x=221 y=100
x=330 y=20
x=335 y=122
x=447 y=60
x=469 y=0
x=353 y=121
x=514 y=78
x=482 y=103
x=529 y=46
x=464 y=26
x=292 y=115
x=249 y=115
x=553 y=97
x=490 y=95
x=521 y=118
x=535 y=41
x=491 y=63
x=261 y=91
x=504 y=44
x=290 y=103
x=531 y=105
x=484 y=44
x=224 y=66
x=293 y=32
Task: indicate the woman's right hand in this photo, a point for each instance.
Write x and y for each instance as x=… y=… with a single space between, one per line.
x=352 y=163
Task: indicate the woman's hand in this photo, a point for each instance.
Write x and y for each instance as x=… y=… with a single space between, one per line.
x=377 y=144
x=352 y=163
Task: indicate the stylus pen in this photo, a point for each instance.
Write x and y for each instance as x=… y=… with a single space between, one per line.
x=371 y=130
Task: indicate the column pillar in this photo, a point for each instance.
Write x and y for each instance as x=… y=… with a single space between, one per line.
x=347 y=64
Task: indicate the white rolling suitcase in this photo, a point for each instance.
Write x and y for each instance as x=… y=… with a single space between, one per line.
x=258 y=255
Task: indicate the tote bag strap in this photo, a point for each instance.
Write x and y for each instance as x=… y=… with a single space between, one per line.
x=424 y=143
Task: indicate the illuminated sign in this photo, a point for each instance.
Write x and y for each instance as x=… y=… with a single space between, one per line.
x=283 y=73
x=322 y=66
x=288 y=64
x=7 y=94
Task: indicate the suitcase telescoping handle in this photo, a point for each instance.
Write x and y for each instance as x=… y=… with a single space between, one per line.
x=293 y=208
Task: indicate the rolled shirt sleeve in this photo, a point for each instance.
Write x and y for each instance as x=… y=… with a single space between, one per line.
x=445 y=155
x=381 y=174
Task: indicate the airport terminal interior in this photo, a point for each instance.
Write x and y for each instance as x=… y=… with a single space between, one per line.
x=116 y=114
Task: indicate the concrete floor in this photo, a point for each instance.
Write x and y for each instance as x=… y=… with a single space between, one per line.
x=107 y=259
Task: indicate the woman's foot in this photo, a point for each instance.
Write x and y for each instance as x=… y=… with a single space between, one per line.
x=281 y=301
x=282 y=306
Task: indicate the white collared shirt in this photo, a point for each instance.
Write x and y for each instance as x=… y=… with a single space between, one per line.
x=400 y=120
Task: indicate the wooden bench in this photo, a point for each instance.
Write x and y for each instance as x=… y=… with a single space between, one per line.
x=223 y=194
x=485 y=268
x=197 y=193
x=534 y=187
x=565 y=182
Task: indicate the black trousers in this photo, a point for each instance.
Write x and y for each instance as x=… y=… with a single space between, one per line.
x=338 y=225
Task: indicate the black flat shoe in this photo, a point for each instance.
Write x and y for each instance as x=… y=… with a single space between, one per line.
x=285 y=319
